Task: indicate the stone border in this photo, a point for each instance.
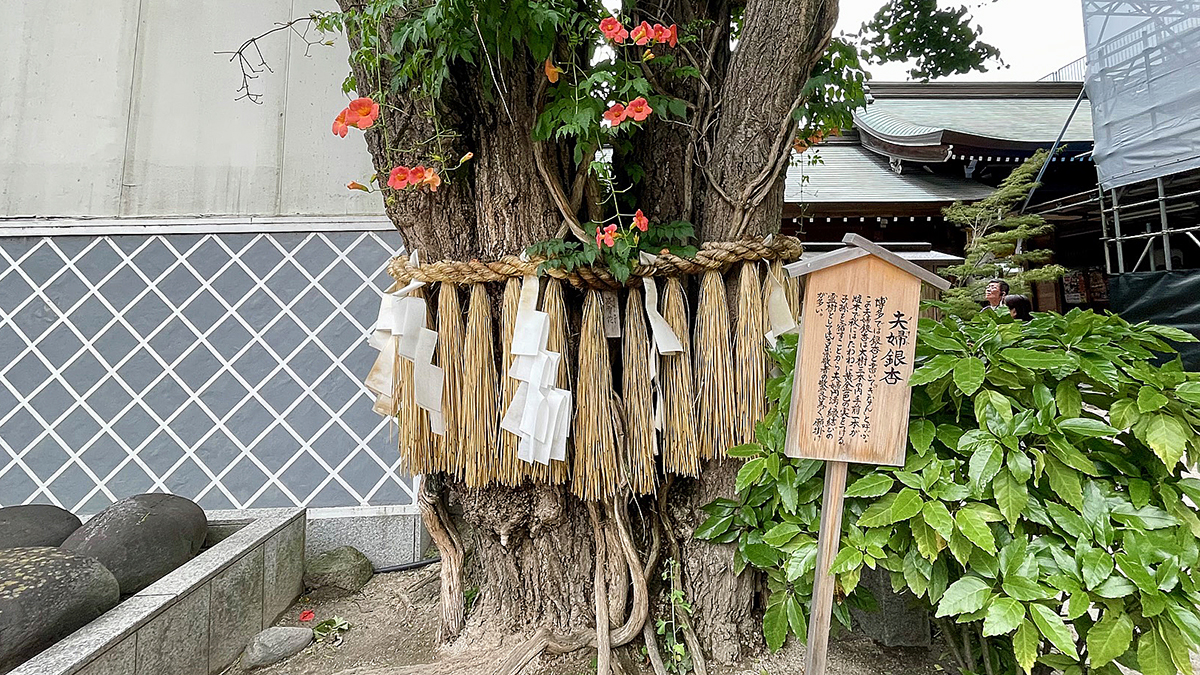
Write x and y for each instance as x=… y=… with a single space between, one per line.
x=197 y=619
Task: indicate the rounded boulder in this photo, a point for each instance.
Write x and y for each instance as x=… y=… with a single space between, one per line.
x=36 y=525
x=142 y=538
x=46 y=594
x=340 y=572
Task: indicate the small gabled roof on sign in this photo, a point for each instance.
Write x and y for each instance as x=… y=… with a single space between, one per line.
x=858 y=248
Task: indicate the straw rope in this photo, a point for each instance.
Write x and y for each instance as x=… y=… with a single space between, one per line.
x=480 y=422
x=417 y=443
x=512 y=469
x=713 y=255
x=595 y=474
x=554 y=305
x=449 y=350
x=751 y=359
x=637 y=391
x=716 y=405
x=680 y=452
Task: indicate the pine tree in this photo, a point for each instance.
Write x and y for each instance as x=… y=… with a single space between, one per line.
x=998 y=238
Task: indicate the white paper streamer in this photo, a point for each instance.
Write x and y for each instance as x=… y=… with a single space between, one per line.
x=400 y=329
x=539 y=413
x=664 y=337
x=779 y=313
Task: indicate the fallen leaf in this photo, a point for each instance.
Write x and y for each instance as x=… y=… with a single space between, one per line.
x=307 y=615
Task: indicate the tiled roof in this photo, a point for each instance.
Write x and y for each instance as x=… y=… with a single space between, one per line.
x=1022 y=120
x=851 y=173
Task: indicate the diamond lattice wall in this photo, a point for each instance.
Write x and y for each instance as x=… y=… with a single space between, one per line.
x=225 y=368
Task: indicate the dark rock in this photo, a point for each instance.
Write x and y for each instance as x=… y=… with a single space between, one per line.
x=274 y=645
x=46 y=594
x=142 y=538
x=35 y=525
x=899 y=620
x=341 y=571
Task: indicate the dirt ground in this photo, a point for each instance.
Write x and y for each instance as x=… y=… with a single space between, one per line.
x=392 y=632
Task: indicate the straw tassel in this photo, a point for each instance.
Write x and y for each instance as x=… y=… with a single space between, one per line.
x=450 y=350
x=595 y=475
x=751 y=359
x=680 y=452
x=479 y=427
x=713 y=352
x=512 y=469
x=637 y=390
x=555 y=306
x=413 y=423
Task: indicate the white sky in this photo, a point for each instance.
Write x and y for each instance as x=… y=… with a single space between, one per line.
x=1035 y=37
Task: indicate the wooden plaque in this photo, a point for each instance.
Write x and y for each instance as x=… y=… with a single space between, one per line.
x=850 y=394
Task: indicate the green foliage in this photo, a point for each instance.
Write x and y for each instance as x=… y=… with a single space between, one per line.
x=939 y=41
x=622 y=257
x=670 y=629
x=994 y=230
x=1041 y=503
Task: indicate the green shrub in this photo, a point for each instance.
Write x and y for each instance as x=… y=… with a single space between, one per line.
x=1041 y=505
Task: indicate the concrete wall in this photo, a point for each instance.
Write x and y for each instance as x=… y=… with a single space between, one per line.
x=120 y=108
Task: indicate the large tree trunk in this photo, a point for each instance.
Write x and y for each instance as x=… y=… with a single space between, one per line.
x=533 y=550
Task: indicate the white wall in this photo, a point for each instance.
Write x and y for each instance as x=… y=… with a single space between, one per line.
x=120 y=108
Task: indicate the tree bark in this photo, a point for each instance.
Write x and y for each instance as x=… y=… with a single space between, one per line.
x=533 y=550
x=779 y=45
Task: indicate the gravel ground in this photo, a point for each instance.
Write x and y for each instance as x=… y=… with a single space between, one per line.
x=393 y=624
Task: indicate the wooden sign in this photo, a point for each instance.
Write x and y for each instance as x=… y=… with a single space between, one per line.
x=851 y=381
x=850 y=393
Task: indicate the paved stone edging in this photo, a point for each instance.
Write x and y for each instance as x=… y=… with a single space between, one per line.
x=197 y=619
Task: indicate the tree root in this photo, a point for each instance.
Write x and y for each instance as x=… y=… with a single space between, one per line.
x=605 y=639
x=445 y=537
x=699 y=667
x=656 y=661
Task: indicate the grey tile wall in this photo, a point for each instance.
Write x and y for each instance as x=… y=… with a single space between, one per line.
x=224 y=368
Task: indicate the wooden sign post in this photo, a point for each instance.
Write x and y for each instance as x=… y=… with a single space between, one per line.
x=851 y=393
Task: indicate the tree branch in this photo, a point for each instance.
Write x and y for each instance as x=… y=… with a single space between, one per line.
x=251 y=71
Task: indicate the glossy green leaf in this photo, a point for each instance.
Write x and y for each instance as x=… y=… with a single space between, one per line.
x=1189 y=391
x=938 y=517
x=762 y=556
x=1070 y=403
x=1086 y=427
x=932 y=369
x=775 y=625
x=749 y=474
x=1153 y=656
x=985 y=464
x=975 y=528
x=1051 y=625
x=1124 y=413
x=1109 y=638
x=1166 y=436
x=1149 y=400
x=781 y=534
x=713 y=527
x=921 y=433
x=1025 y=645
x=968 y=374
x=1011 y=496
x=968 y=594
x=892 y=508
x=1034 y=360
x=871 y=485
x=1003 y=617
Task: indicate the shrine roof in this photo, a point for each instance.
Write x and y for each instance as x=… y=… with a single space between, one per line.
x=850 y=173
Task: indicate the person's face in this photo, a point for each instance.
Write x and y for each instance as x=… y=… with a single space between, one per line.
x=993 y=294
x=1012 y=311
